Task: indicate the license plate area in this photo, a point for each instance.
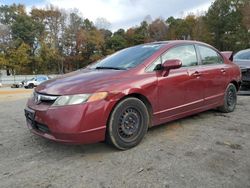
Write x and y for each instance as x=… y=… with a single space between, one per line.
x=30 y=116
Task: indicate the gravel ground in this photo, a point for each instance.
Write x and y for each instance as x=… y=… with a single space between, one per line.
x=210 y=149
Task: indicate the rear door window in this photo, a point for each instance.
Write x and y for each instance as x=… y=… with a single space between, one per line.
x=209 y=56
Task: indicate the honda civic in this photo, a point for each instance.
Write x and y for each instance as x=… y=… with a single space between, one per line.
x=119 y=97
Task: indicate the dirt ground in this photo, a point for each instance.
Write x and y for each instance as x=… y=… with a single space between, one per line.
x=210 y=149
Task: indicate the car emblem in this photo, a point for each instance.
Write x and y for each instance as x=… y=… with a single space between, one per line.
x=37 y=98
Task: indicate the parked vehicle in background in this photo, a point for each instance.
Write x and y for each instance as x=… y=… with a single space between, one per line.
x=120 y=96
x=35 y=81
x=242 y=58
x=18 y=85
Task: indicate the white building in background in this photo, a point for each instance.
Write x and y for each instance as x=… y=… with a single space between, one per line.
x=3 y=72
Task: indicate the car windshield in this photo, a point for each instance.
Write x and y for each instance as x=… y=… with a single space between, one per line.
x=242 y=55
x=127 y=58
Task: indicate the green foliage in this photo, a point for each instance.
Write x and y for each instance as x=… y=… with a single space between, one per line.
x=19 y=58
x=179 y=29
x=8 y=14
x=51 y=40
x=116 y=42
x=25 y=29
x=46 y=60
x=3 y=61
x=224 y=20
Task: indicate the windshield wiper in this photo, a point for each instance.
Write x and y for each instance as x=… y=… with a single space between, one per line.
x=114 y=68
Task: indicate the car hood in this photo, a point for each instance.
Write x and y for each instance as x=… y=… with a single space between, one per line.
x=242 y=64
x=81 y=81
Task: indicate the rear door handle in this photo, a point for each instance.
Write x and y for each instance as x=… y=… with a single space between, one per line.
x=196 y=74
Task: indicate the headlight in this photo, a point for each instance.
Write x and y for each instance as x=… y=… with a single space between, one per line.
x=79 y=98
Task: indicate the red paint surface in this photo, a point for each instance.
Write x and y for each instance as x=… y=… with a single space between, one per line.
x=182 y=92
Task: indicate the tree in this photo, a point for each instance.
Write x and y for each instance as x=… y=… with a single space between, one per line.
x=47 y=60
x=3 y=61
x=72 y=35
x=19 y=58
x=138 y=35
x=116 y=42
x=158 y=30
x=201 y=32
x=102 y=23
x=224 y=19
x=88 y=25
x=25 y=29
x=245 y=10
x=51 y=40
x=8 y=14
x=5 y=38
x=178 y=29
x=94 y=45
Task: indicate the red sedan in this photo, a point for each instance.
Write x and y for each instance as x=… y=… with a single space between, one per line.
x=119 y=97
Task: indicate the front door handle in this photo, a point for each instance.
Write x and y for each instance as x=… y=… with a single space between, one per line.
x=223 y=71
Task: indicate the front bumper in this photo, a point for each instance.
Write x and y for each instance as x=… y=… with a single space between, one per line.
x=245 y=75
x=76 y=124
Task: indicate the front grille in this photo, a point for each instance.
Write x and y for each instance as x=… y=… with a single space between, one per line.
x=44 y=98
x=246 y=75
x=40 y=127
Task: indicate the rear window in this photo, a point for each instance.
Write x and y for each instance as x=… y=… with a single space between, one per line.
x=209 y=56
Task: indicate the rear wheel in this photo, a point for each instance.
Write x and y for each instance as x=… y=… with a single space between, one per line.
x=230 y=99
x=128 y=124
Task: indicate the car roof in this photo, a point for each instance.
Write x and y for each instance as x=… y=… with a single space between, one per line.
x=176 y=42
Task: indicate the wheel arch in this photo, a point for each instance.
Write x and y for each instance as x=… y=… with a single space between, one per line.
x=139 y=96
x=142 y=98
x=236 y=84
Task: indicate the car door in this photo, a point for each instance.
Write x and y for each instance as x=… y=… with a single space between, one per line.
x=214 y=75
x=181 y=90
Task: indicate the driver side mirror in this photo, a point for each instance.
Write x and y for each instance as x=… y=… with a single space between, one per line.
x=170 y=64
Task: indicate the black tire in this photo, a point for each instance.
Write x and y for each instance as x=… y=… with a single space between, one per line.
x=230 y=99
x=31 y=86
x=128 y=123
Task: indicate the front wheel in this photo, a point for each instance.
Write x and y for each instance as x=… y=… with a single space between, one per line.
x=31 y=86
x=128 y=123
x=230 y=99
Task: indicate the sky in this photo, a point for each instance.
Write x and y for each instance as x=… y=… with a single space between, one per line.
x=122 y=13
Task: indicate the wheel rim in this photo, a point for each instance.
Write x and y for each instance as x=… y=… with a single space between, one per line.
x=129 y=124
x=231 y=97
